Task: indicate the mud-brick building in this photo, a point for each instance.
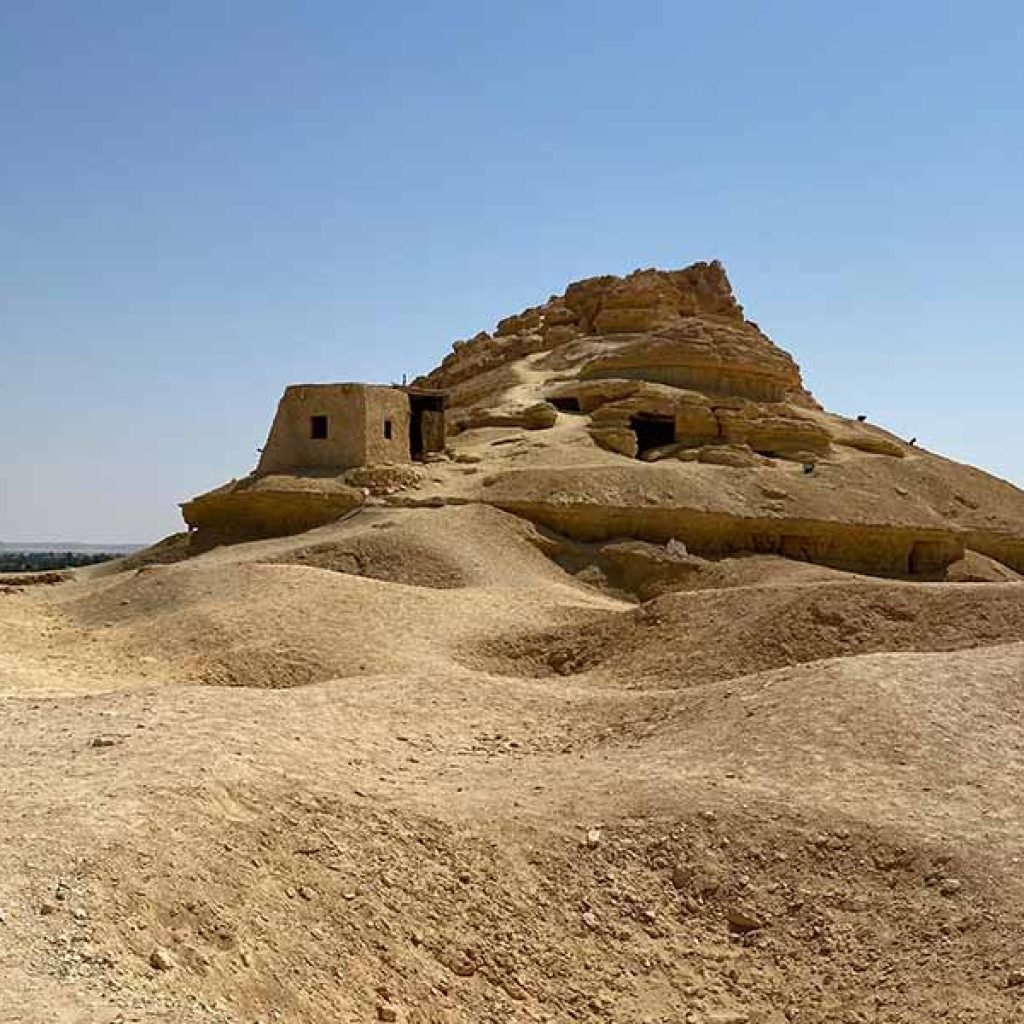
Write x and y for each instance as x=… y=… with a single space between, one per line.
x=334 y=427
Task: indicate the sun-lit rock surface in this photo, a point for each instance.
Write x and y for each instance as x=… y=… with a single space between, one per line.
x=648 y=407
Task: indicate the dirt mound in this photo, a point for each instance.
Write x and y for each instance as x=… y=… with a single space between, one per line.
x=977 y=568
x=677 y=917
x=375 y=558
x=682 y=639
x=174 y=548
x=291 y=612
x=637 y=569
x=939 y=728
x=834 y=841
x=460 y=546
x=282 y=625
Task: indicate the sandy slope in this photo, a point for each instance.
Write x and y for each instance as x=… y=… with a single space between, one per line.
x=448 y=780
x=686 y=639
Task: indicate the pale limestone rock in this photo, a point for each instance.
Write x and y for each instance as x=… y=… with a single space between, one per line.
x=739 y=456
x=615 y=439
x=539 y=416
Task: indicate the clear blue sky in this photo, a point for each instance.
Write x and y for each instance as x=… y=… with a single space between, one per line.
x=202 y=202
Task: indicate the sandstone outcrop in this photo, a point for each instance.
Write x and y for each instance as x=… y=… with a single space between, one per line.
x=537 y=416
x=647 y=408
x=646 y=569
x=652 y=298
x=715 y=358
x=662 y=367
x=270 y=506
x=653 y=344
x=683 y=328
x=716 y=516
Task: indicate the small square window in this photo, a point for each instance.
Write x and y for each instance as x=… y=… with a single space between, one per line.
x=387 y=429
x=318 y=427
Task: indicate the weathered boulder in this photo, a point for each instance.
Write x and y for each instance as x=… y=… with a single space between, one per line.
x=715 y=358
x=738 y=456
x=648 y=570
x=605 y=304
x=621 y=440
x=978 y=568
x=538 y=416
x=866 y=438
x=772 y=430
x=270 y=506
x=643 y=302
x=522 y=323
x=697 y=421
x=557 y=314
x=557 y=335
x=588 y=395
x=667 y=451
x=647 y=401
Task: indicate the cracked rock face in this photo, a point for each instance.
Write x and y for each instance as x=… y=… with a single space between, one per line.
x=670 y=344
x=681 y=328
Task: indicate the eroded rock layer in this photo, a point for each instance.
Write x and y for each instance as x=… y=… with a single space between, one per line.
x=662 y=367
x=649 y=407
x=683 y=328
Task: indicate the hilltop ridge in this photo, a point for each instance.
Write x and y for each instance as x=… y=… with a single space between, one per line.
x=688 y=320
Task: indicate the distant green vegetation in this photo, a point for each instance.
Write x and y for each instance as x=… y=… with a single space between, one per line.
x=44 y=561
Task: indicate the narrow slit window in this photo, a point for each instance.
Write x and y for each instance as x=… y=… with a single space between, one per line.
x=387 y=430
x=318 y=428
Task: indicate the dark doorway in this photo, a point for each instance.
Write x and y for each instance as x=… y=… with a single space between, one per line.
x=928 y=556
x=318 y=428
x=566 y=404
x=652 y=431
x=387 y=430
x=426 y=423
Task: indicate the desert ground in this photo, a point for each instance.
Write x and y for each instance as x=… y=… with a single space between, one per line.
x=652 y=693
x=409 y=767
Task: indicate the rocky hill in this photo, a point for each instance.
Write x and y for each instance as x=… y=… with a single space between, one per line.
x=648 y=407
x=664 y=695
